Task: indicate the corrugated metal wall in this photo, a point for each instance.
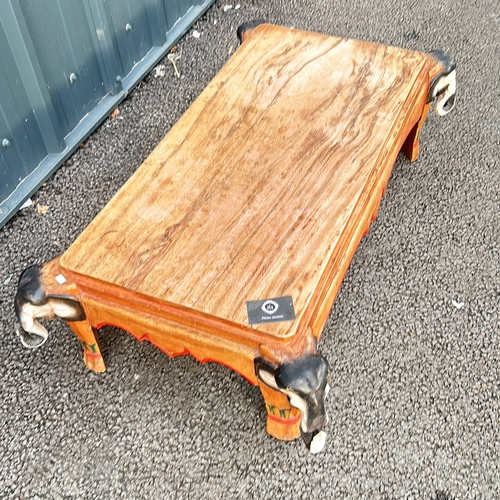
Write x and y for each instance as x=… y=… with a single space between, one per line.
x=64 y=65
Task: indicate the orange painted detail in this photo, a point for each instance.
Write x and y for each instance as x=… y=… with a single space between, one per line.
x=286 y=421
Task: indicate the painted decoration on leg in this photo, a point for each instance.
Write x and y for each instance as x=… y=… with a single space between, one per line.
x=304 y=381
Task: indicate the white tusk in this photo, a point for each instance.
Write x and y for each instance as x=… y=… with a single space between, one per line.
x=318 y=442
x=297 y=402
x=63 y=309
x=445 y=89
x=29 y=323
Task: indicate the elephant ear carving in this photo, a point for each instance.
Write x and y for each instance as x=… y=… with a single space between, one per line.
x=266 y=373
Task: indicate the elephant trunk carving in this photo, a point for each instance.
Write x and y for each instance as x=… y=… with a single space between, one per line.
x=32 y=303
x=304 y=381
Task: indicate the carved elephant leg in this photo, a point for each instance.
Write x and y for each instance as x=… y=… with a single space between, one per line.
x=35 y=300
x=33 y=303
x=244 y=30
x=87 y=336
x=304 y=382
x=442 y=91
x=443 y=86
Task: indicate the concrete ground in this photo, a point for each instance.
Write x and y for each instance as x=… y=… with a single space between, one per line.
x=413 y=337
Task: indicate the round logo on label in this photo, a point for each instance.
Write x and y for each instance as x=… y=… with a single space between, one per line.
x=270 y=306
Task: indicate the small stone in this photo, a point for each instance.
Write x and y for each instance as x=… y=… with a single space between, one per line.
x=160 y=71
x=42 y=209
x=196 y=34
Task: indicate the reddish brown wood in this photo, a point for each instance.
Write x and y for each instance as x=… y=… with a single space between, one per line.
x=263 y=189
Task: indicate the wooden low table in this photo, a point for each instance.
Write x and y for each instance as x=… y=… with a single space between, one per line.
x=230 y=242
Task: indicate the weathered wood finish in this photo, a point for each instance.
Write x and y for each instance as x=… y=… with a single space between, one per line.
x=263 y=189
x=251 y=194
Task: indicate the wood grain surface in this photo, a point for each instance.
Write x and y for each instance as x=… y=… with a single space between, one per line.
x=251 y=195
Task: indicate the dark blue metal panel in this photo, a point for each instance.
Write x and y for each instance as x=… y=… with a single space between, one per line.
x=64 y=66
x=16 y=155
x=176 y=10
x=104 y=44
x=131 y=30
x=64 y=49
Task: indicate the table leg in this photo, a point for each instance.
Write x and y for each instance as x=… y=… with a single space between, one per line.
x=87 y=336
x=304 y=383
x=283 y=421
x=35 y=300
x=411 y=146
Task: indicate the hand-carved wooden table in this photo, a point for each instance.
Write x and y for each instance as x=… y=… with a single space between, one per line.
x=231 y=241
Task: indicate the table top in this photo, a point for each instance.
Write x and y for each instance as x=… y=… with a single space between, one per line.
x=248 y=195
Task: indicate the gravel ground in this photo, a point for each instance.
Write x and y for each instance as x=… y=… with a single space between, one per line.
x=414 y=406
